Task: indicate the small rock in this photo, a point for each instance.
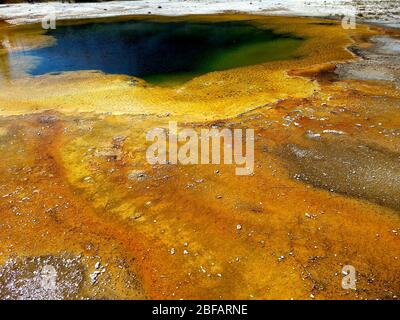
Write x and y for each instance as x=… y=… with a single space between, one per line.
x=137 y=215
x=338 y=132
x=313 y=136
x=137 y=175
x=48 y=119
x=93 y=276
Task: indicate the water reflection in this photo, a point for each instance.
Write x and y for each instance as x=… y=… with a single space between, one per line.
x=5 y=68
x=12 y=45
